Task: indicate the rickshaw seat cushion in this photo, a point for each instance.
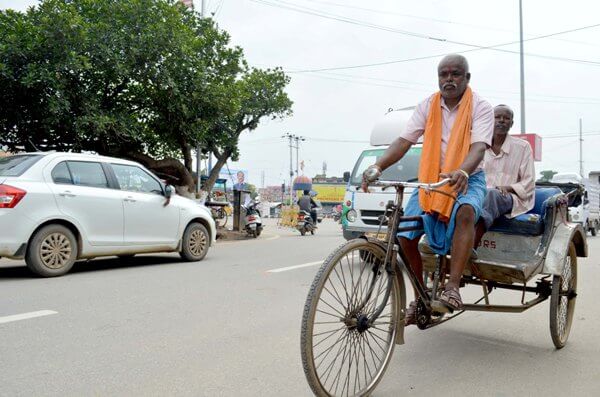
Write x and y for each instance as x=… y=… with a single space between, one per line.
x=531 y=223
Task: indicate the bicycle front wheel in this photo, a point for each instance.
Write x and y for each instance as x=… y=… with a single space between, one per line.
x=343 y=353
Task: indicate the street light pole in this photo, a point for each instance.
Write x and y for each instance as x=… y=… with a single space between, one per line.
x=290 y=137
x=522 y=68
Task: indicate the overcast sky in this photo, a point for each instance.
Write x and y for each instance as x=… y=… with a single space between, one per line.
x=562 y=74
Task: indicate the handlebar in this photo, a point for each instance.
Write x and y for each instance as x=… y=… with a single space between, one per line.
x=417 y=185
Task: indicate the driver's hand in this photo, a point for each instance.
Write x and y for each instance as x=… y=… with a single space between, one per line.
x=371 y=174
x=458 y=180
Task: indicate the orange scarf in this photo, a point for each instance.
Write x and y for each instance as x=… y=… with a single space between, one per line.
x=456 y=152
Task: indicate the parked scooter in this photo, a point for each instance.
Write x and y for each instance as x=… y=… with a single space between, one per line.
x=305 y=223
x=254 y=224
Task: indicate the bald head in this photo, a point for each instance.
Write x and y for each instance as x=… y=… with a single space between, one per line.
x=455 y=59
x=503 y=120
x=453 y=78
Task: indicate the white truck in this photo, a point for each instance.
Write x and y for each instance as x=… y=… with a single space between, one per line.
x=362 y=210
x=585 y=211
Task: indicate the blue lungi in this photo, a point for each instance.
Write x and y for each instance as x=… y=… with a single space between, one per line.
x=439 y=234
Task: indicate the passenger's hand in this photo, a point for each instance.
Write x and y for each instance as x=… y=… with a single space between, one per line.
x=458 y=180
x=371 y=174
x=504 y=189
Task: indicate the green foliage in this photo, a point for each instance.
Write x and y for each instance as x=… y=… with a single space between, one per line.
x=123 y=77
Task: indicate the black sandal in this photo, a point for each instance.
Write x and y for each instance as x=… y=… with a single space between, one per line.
x=451 y=298
x=411 y=314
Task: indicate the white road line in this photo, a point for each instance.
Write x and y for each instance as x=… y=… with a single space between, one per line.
x=285 y=269
x=26 y=316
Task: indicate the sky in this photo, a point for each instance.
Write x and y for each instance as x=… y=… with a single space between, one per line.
x=336 y=109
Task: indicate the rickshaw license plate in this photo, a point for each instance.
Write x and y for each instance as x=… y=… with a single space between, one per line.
x=379 y=236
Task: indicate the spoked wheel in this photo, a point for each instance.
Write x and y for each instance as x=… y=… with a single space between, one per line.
x=343 y=352
x=562 y=301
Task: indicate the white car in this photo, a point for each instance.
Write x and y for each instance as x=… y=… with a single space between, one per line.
x=56 y=208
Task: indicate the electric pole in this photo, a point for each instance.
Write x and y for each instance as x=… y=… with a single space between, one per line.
x=522 y=68
x=581 y=148
x=290 y=137
x=298 y=139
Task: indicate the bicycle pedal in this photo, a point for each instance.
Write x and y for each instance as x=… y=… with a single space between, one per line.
x=439 y=307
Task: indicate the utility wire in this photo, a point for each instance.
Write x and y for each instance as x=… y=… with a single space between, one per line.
x=287 y=6
x=445 y=21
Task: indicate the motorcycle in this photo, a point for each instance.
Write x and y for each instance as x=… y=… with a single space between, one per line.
x=253 y=224
x=305 y=223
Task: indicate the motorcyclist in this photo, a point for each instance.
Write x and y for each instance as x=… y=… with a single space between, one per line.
x=306 y=203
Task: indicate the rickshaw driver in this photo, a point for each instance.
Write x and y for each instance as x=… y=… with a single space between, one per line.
x=457 y=127
x=510 y=175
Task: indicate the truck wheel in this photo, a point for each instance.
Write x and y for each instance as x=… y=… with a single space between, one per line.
x=52 y=251
x=196 y=241
x=593 y=231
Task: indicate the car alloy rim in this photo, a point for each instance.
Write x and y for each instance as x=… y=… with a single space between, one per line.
x=197 y=242
x=55 y=251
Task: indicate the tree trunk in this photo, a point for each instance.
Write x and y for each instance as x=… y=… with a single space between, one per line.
x=169 y=169
x=186 y=150
x=214 y=173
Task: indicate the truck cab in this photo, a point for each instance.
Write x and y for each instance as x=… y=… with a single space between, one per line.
x=362 y=210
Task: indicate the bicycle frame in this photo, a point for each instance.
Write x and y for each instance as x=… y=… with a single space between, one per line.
x=394 y=251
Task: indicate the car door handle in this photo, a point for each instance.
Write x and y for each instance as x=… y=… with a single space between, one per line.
x=130 y=199
x=67 y=193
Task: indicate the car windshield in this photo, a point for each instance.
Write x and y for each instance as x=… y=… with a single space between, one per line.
x=406 y=169
x=17 y=165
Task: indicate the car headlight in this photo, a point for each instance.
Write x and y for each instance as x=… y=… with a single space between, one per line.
x=575 y=217
x=351 y=215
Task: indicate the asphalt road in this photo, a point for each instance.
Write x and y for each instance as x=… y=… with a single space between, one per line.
x=226 y=326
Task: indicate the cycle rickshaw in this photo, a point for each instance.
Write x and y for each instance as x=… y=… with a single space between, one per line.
x=354 y=312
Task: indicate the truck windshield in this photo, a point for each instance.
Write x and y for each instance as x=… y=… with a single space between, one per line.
x=404 y=170
x=16 y=165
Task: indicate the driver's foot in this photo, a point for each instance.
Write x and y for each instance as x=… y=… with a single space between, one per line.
x=411 y=314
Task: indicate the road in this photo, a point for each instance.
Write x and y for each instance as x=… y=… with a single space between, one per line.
x=226 y=326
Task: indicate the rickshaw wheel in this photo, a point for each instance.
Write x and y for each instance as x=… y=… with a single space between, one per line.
x=342 y=353
x=562 y=301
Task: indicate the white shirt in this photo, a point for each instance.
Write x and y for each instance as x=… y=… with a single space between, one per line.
x=513 y=167
x=482 y=126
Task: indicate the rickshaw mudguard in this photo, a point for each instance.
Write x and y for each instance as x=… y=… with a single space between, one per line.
x=401 y=309
x=558 y=248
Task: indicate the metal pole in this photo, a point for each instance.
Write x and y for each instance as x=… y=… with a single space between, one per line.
x=581 y=148
x=522 y=68
x=291 y=169
x=198 y=147
x=297 y=160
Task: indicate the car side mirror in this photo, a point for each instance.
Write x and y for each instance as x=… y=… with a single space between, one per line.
x=169 y=189
x=346 y=176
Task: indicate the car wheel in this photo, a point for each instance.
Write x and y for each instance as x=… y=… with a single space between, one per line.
x=196 y=241
x=52 y=251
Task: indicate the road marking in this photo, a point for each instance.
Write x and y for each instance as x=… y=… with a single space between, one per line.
x=285 y=269
x=26 y=316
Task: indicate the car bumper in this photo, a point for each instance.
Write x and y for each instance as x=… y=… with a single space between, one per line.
x=14 y=233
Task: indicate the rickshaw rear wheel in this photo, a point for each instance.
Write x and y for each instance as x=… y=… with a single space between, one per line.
x=562 y=300
x=342 y=353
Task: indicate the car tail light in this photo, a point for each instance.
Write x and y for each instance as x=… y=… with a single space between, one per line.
x=251 y=218
x=10 y=196
x=300 y=216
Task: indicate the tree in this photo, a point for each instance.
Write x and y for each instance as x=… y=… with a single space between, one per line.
x=141 y=79
x=258 y=94
x=546 y=175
